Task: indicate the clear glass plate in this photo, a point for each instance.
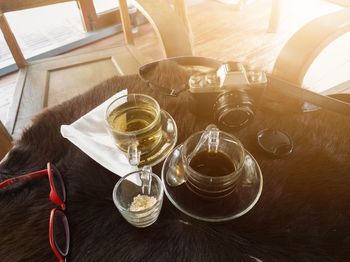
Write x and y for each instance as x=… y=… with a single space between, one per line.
x=238 y=203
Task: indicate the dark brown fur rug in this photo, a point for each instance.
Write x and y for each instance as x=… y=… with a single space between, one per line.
x=303 y=213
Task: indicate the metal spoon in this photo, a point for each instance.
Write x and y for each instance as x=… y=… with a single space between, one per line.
x=175 y=175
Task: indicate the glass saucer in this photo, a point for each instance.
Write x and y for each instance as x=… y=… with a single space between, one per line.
x=238 y=203
x=167 y=143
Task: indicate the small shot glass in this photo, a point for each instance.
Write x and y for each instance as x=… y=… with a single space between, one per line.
x=139 y=197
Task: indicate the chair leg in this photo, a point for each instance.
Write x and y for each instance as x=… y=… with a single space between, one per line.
x=5 y=141
x=124 y=15
x=11 y=42
x=274 y=16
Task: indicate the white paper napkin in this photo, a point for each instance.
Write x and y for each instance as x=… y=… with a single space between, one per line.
x=89 y=133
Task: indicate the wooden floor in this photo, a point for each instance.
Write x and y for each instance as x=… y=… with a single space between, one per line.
x=220 y=31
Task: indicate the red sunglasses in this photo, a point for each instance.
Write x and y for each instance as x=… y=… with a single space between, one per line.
x=59 y=235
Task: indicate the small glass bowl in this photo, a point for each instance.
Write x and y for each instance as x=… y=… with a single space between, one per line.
x=139 y=183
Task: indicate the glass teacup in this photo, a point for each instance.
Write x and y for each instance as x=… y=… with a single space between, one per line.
x=134 y=122
x=213 y=161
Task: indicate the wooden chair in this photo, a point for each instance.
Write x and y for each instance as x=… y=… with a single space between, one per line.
x=45 y=82
x=307 y=43
x=170 y=28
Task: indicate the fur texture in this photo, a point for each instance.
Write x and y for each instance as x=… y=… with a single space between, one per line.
x=303 y=213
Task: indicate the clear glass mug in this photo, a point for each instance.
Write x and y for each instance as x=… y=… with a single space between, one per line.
x=213 y=161
x=134 y=122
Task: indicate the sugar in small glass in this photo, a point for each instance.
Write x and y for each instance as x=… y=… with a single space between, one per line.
x=139 y=197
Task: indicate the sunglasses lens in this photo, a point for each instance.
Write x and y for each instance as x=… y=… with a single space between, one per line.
x=58 y=183
x=60 y=232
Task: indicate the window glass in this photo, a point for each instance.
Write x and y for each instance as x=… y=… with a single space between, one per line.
x=104 y=5
x=41 y=29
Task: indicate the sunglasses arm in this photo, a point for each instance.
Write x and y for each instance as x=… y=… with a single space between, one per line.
x=25 y=177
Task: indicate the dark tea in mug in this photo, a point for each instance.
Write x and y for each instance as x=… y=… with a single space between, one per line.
x=212 y=164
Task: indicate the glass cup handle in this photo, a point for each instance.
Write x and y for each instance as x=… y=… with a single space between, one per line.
x=211 y=136
x=146 y=179
x=170 y=128
x=134 y=154
x=213 y=139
